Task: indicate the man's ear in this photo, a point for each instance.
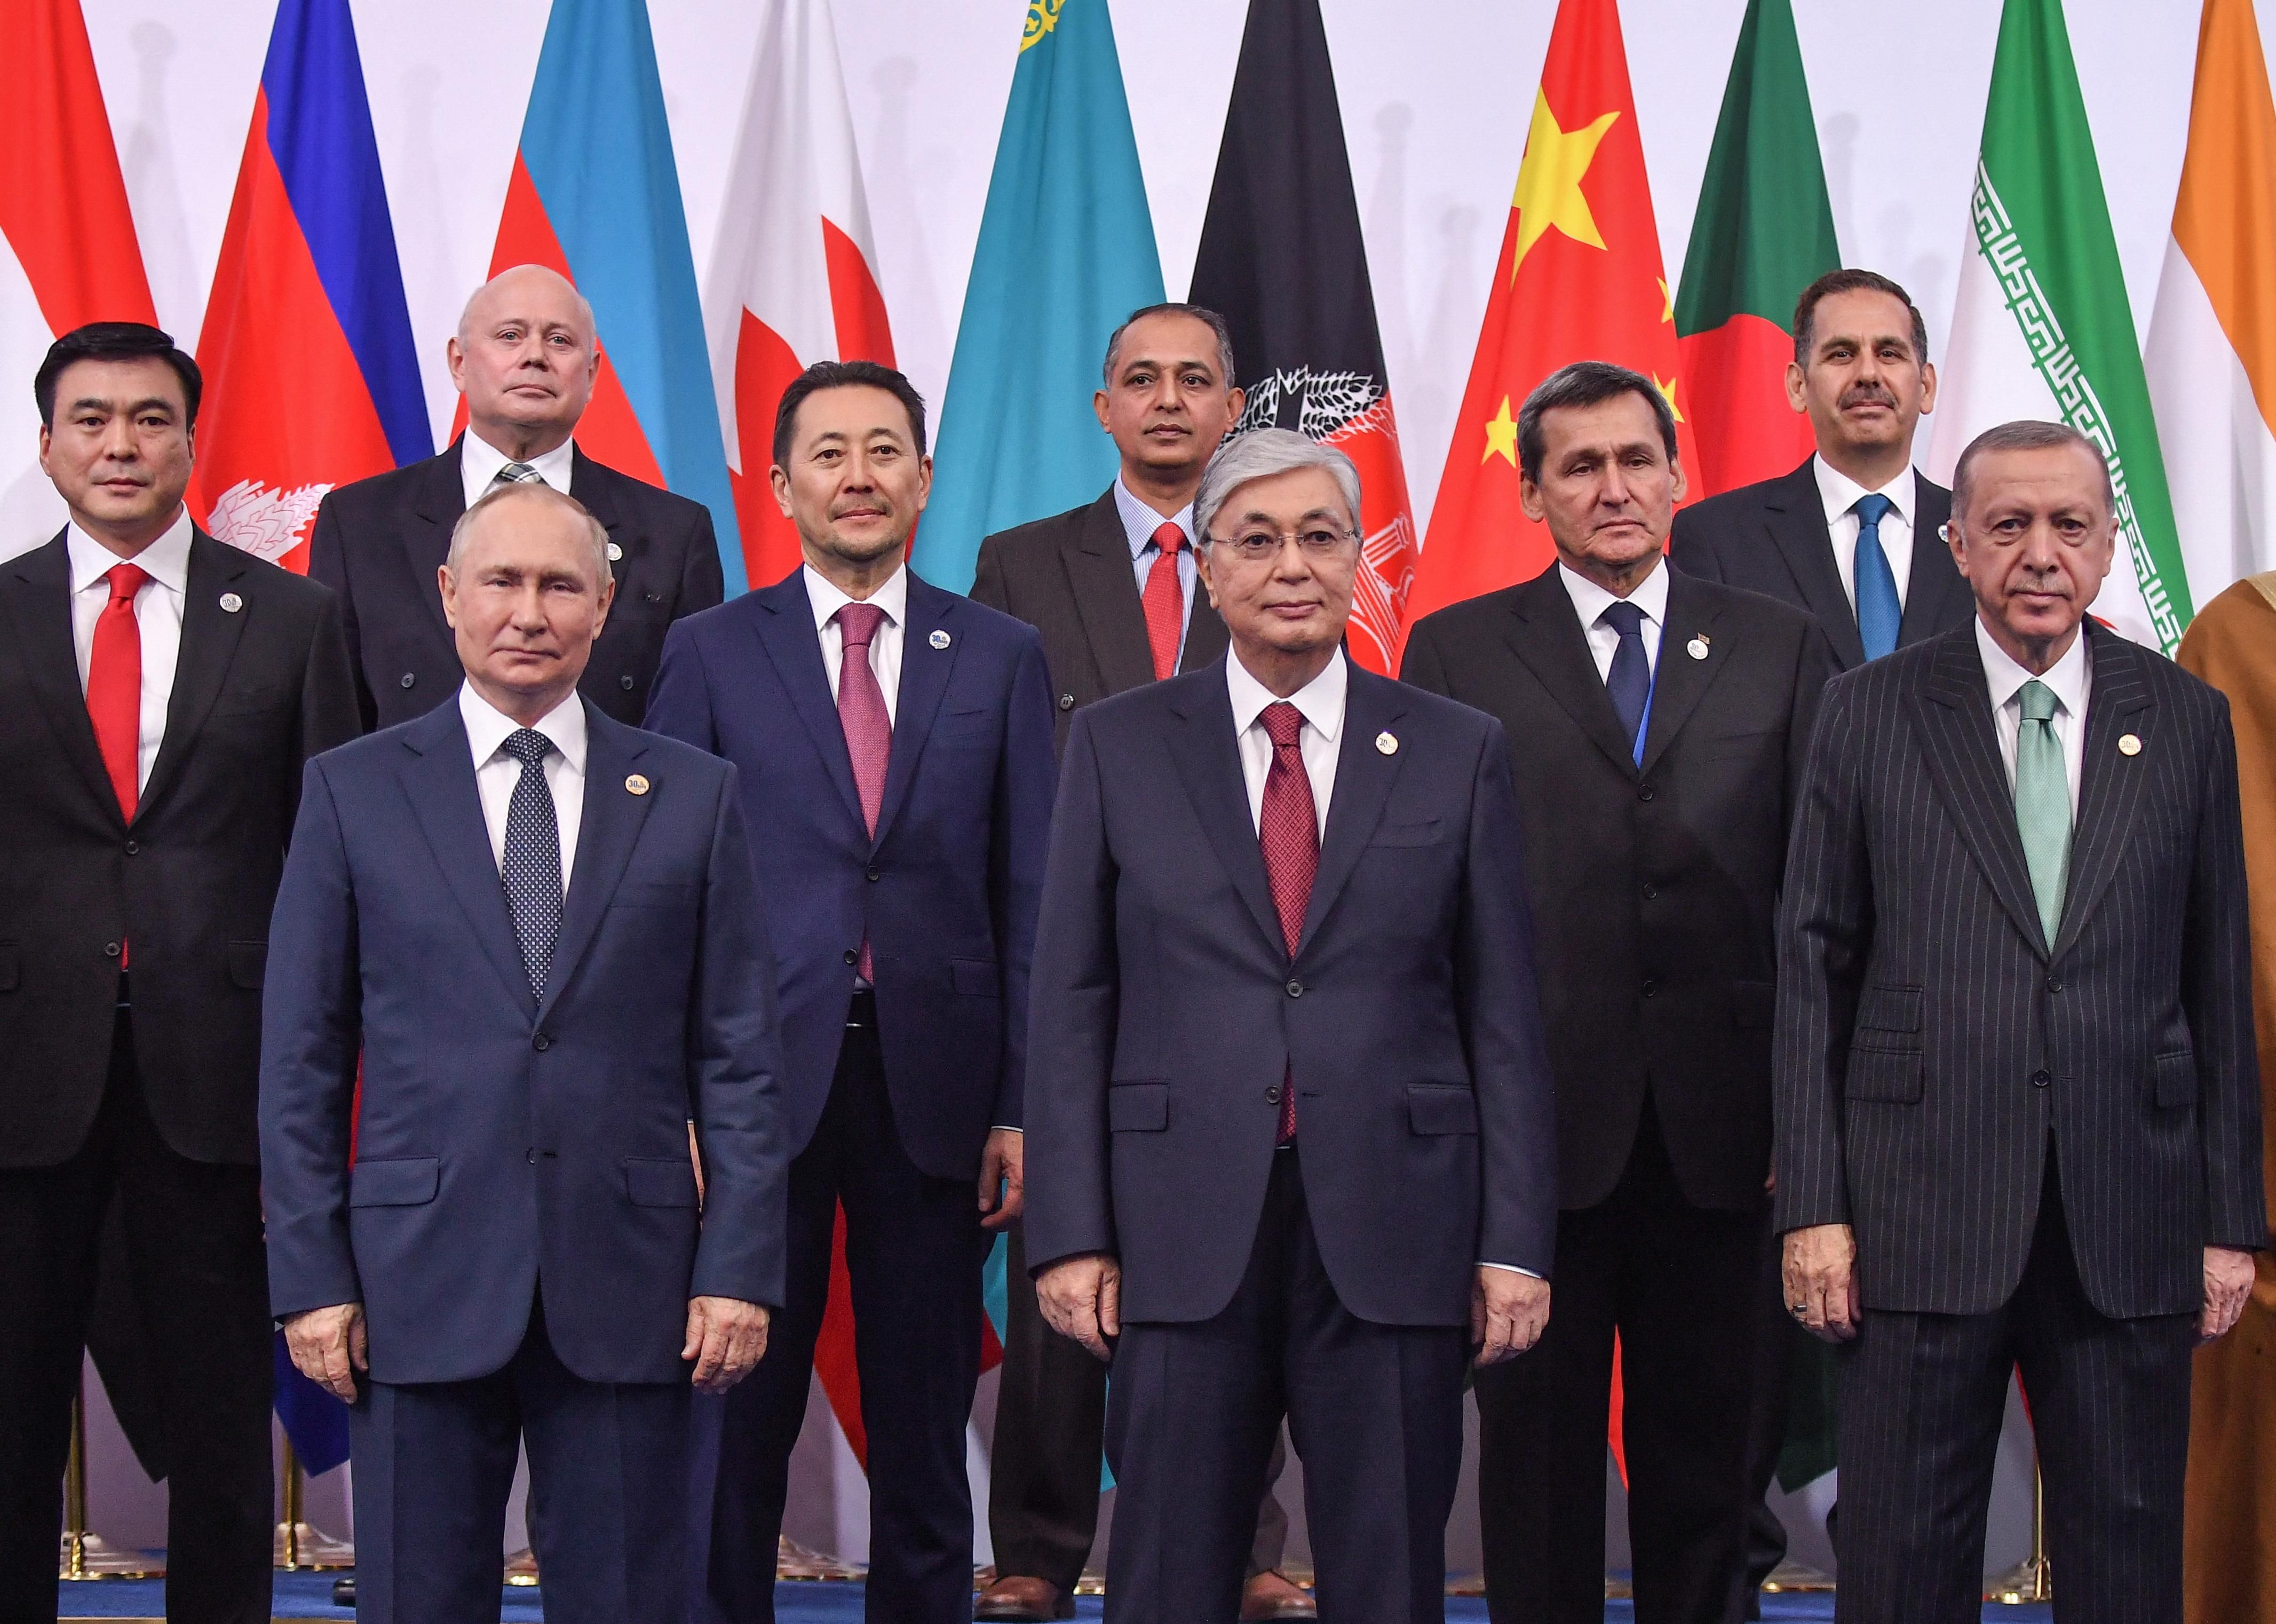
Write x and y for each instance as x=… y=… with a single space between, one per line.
x=1528 y=497
x=449 y=588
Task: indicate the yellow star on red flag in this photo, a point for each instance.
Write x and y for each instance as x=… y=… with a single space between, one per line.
x=1549 y=181
x=1668 y=389
x=1501 y=435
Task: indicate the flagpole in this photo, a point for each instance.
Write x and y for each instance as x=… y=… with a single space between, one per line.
x=86 y=1555
x=300 y=1546
x=2027 y=1581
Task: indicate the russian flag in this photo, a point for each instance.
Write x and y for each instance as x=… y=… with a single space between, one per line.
x=594 y=195
x=312 y=379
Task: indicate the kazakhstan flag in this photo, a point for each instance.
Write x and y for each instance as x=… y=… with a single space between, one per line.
x=1067 y=251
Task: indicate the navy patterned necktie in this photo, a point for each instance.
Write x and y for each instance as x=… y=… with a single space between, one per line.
x=1629 y=681
x=531 y=867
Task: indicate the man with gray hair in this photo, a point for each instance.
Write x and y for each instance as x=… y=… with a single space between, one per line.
x=1289 y=1102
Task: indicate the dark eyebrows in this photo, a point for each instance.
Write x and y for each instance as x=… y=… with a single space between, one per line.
x=153 y=403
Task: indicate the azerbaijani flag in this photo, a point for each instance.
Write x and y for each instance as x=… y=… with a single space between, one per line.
x=311 y=376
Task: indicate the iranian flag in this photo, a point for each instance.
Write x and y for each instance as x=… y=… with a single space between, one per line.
x=2211 y=356
x=1763 y=231
x=2042 y=328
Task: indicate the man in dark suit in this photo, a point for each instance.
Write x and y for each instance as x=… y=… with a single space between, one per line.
x=1660 y=724
x=1113 y=588
x=1294 y=1146
x=519 y=951
x=524 y=357
x=895 y=742
x=2018 y=1103
x=159 y=692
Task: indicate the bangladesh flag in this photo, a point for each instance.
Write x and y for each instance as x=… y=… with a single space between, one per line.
x=2042 y=328
x=1762 y=232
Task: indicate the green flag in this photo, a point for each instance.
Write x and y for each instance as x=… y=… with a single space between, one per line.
x=2042 y=328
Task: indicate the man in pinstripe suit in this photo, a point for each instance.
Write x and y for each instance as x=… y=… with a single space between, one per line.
x=2017 y=1098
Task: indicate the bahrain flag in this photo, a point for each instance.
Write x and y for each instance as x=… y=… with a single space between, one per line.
x=793 y=279
x=1579 y=278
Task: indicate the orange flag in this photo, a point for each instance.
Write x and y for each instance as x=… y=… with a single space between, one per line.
x=1580 y=278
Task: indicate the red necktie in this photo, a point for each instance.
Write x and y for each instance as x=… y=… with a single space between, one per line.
x=1288 y=828
x=868 y=726
x=114 y=685
x=1165 y=602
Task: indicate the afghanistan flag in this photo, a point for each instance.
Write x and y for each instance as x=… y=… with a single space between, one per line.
x=2042 y=328
x=1281 y=258
x=1763 y=232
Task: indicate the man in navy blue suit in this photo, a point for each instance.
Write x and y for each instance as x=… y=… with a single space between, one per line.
x=895 y=743
x=1294 y=1146
x=538 y=930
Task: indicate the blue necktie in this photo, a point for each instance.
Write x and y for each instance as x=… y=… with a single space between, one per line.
x=531 y=865
x=1878 y=613
x=1629 y=681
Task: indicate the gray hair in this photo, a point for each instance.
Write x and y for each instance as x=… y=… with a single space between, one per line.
x=1260 y=454
x=1202 y=314
x=584 y=304
x=2028 y=434
x=597 y=535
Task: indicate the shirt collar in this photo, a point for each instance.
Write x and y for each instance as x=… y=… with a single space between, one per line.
x=1591 y=600
x=1840 y=493
x=2066 y=676
x=1139 y=521
x=488 y=727
x=166 y=560
x=480 y=461
x=1320 y=700
x=826 y=600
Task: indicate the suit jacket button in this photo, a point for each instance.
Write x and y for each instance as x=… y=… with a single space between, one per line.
x=853 y=957
x=1272 y=1095
x=408 y=678
x=872 y=873
x=1651 y=989
x=1066 y=701
x=1650 y=892
x=110 y=949
x=2041 y=1078
x=1295 y=990
x=1644 y=793
x=132 y=847
x=626 y=682
x=541 y=1042
x=2054 y=984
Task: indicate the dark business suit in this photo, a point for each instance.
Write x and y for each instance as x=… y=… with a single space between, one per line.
x=1329 y=1282
x=2034 y=1144
x=1655 y=894
x=378 y=543
x=1070 y=577
x=890 y=1096
x=153 y=1105
x=521 y=1222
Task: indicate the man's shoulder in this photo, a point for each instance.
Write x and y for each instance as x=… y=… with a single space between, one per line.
x=1487 y=615
x=988 y=628
x=1448 y=721
x=1711 y=516
x=663 y=751
x=1738 y=606
x=653 y=504
x=1038 y=539
x=382 y=494
x=2168 y=683
x=286 y=588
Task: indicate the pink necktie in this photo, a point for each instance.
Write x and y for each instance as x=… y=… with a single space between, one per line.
x=1164 y=601
x=868 y=726
x=1288 y=828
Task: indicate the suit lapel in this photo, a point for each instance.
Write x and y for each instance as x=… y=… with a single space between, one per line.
x=1933 y=576
x=438 y=778
x=608 y=829
x=1364 y=776
x=1678 y=680
x=1097 y=560
x=434 y=510
x=2110 y=787
x=924 y=678
x=590 y=489
x=1795 y=514
x=38 y=601
x=1202 y=744
x=1953 y=709
x=1548 y=638
x=210 y=634
x=785 y=630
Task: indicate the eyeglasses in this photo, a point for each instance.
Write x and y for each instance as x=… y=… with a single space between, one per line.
x=1255 y=546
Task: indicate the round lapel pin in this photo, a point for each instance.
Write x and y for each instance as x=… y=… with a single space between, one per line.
x=1387 y=743
x=938 y=640
x=616 y=553
x=636 y=785
x=230 y=602
x=2130 y=744
x=1697 y=648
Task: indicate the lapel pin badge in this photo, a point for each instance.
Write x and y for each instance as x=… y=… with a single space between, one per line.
x=616 y=553
x=1697 y=648
x=1387 y=743
x=2130 y=744
x=230 y=602
x=938 y=640
x=636 y=785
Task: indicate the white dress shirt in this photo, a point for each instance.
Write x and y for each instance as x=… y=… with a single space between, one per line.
x=157 y=612
x=479 y=462
x=1322 y=702
x=1139 y=523
x=2072 y=678
x=497 y=773
x=1840 y=494
x=1589 y=602
x=884 y=646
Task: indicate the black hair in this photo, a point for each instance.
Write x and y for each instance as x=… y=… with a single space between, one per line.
x=1805 y=309
x=1202 y=314
x=115 y=341
x=845 y=375
x=1585 y=383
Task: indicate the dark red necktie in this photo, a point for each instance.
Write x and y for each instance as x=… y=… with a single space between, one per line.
x=1288 y=828
x=114 y=685
x=1165 y=602
x=868 y=726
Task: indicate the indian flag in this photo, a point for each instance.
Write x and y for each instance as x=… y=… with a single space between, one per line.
x=2042 y=328
x=2212 y=359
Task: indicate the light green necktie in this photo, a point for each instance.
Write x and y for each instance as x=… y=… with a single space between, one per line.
x=2042 y=803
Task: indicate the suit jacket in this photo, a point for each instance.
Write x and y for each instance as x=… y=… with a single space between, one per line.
x=1932 y=1046
x=1655 y=889
x=258 y=690
x=1771 y=538
x=378 y=543
x=498 y=1141
x=1167 y=1011
x=946 y=890
x=1069 y=577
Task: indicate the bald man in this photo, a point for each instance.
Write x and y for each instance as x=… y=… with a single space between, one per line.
x=525 y=358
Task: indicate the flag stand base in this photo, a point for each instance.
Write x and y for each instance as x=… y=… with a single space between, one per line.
x=1789 y=1578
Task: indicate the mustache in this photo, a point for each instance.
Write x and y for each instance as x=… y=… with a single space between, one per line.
x=1868 y=394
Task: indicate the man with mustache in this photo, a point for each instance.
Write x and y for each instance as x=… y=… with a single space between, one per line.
x=894 y=743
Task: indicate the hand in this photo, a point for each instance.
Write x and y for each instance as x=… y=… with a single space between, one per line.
x=1003 y=1165
x=1821 y=1281
x=1081 y=1298
x=1508 y=1313
x=726 y=1338
x=2228 y=1276
x=328 y=1346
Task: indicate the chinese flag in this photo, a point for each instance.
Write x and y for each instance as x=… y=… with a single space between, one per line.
x=1579 y=279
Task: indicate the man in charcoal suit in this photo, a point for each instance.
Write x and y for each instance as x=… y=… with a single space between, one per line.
x=2018 y=1103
